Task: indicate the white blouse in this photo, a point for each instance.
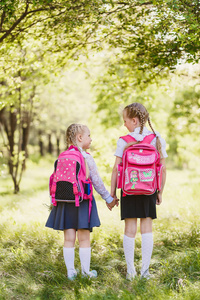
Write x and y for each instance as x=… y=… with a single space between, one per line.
x=139 y=137
x=95 y=178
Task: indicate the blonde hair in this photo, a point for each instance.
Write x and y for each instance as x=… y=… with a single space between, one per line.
x=71 y=134
x=138 y=110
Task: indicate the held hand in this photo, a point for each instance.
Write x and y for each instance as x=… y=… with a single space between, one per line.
x=159 y=198
x=116 y=201
x=113 y=203
x=115 y=198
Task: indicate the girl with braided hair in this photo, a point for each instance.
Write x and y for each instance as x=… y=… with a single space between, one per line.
x=71 y=219
x=135 y=117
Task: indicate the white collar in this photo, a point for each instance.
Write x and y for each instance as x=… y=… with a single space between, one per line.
x=140 y=136
x=145 y=130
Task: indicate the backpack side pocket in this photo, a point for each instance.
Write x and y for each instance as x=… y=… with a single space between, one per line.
x=159 y=174
x=119 y=176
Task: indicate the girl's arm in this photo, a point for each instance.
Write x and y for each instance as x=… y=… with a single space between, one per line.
x=159 y=196
x=97 y=182
x=114 y=176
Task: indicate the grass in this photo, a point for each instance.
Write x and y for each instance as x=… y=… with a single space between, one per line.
x=31 y=260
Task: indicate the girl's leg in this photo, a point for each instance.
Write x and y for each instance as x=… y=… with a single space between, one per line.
x=68 y=252
x=147 y=245
x=85 y=252
x=83 y=238
x=129 y=245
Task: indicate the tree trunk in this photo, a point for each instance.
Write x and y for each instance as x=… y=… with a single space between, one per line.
x=58 y=145
x=13 y=126
x=9 y=121
x=12 y=118
x=41 y=144
x=16 y=187
x=25 y=135
x=50 y=145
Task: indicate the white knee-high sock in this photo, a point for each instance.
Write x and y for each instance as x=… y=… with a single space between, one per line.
x=85 y=256
x=147 y=248
x=129 y=246
x=68 y=254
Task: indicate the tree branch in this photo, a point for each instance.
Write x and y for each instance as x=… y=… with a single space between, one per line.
x=2 y=19
x=15 y=24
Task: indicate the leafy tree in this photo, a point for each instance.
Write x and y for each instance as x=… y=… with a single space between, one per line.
x=147 y=40
x=22 y=76
x=21 y=16
x=158 y=32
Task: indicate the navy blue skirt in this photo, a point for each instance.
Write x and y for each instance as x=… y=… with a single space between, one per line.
x=66 y=216
x=138 y=206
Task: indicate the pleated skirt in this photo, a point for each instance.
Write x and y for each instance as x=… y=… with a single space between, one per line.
x=66 y=216
x=138 y=206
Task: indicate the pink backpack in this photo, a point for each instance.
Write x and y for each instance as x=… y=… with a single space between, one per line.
x=68 y=183
x=140 y=172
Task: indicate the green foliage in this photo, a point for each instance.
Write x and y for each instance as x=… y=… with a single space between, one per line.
x=44 y=18
x=186 y=110
x=183 y=119
x=141 y=41
x=150 y=35
x=22 y=85
x=147 y=40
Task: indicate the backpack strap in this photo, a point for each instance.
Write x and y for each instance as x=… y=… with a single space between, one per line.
x=89 y=194
x=128 y=138
x=147 y=139
x=73 y=147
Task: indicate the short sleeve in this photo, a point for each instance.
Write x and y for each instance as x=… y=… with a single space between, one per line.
x=120 y=147
x=163 y=145
x=121 y=144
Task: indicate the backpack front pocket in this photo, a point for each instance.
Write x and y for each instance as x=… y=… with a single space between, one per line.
x=64 y=191
x=147 y=175
x=139 y=180
x=142 y=157
x=67 y=171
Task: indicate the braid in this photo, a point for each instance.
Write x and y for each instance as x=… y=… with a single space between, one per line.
x=141 y=119
x=150 y=125
x=72 y=132
x=138 y=110
x=158 y=143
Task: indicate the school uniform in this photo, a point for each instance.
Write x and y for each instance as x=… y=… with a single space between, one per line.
x=139 y=206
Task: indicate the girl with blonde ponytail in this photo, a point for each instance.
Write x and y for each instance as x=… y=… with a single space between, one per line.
x=135 y=118
x=72 y=219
